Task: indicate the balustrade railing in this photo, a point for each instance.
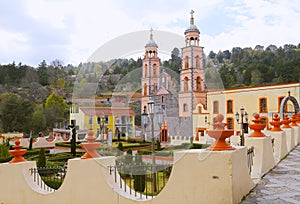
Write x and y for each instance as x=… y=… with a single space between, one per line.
x=137 y=180
x=48 y=178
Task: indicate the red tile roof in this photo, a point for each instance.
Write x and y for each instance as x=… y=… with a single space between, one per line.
x=107 y=111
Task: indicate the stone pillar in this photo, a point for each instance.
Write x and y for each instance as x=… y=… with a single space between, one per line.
x=224 y=174
x=279 y=137
x=296 y=129
x=290 y=140
x=263 y=160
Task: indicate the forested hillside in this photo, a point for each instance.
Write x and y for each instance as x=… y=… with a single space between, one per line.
x=26 y=92
x=249 y=67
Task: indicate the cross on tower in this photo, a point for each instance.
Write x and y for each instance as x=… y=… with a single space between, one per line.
x=192 y=17
x=192 y=12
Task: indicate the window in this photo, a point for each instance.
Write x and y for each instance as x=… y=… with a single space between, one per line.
x=198 y=83
x=185 y=84
x=229 y=123
x=145 y=89
x=229 y=106
x=154 y=70
x=197 y=62
x=263 y=105
x=90 y=120
x=263 y=120
x=185 y=108
x=186 y=62
x=199 y=109
x=279 y=103
x=216 y=107
x=162 y=99
x=145 y=71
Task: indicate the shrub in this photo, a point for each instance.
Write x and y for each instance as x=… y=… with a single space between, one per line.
x=42 y=158
x=120 y=146
x=139 y=174
x=196 y=146
x=158 y=146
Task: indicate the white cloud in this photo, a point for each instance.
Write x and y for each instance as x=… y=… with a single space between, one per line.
x=72 y=30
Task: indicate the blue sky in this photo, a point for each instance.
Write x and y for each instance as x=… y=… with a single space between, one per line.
x=71 y=30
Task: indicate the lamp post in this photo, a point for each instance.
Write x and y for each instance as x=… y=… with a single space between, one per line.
x=72 y=128
x=101 y=121
x=243 y=114
x=160 y=114
x=144 y=117
x=151 y=113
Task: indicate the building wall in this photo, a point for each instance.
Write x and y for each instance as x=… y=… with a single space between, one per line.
x=250 y=99
x=82 y=121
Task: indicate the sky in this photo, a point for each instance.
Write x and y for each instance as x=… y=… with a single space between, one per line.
x=71 y=30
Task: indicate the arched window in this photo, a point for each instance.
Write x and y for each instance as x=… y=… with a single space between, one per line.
x=145 y=90
x=185 y=107
x=186 y=62
x=185 y=84
x=154 y=70
x=146 y=70
x=197 y=62
x=198 y=84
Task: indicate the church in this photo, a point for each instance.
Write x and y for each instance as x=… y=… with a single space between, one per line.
x=176 y=99
x=190 y=104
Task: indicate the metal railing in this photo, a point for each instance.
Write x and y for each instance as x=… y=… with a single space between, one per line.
x=136 y=180
x=250 y=155
x=48 y=178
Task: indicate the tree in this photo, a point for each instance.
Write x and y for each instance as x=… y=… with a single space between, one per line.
x=55 y=109
x=16 y=113
x=43 y=73
x=38 y=121
x=212 y=55
x=41 y=162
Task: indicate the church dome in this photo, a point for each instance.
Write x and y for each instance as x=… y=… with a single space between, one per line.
x=151 y=42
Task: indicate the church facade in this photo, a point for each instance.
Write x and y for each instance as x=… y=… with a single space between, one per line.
x=190 y=107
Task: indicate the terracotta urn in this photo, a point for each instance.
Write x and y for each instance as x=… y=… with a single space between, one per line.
x=90 y=146
x=276 y=123
x=18 y=153
x=294 y=121
x=298 y=118
x=286 y=121
x=257 y=127
x=220 y=135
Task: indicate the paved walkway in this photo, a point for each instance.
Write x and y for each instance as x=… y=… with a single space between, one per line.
x=281 y=184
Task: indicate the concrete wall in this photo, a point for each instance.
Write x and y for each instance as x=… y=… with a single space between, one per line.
x=198 y=176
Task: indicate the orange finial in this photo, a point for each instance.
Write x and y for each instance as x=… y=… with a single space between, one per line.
x=257 y=127
x=298 y=118
x=286 y=121
x=294 y=120
x=220 y=135
x=276 y=123
x=18 y=153
x=91 y=146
